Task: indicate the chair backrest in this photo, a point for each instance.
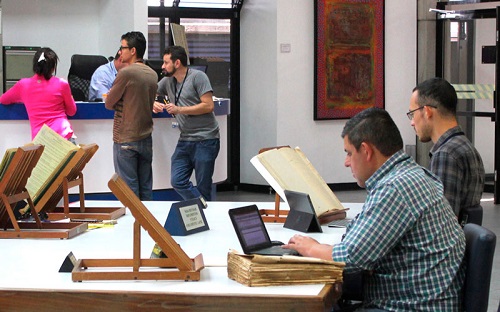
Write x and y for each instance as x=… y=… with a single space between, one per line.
x=479 y=251
x=472 y=214
x=80 y=72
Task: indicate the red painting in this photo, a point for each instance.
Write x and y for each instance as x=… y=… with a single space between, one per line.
x=349 y=63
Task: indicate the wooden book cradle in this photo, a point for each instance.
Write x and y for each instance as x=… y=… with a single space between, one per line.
x=177 y=265
x=279 y=216
x=274 y=215
x=75 y=178
x=13 y=190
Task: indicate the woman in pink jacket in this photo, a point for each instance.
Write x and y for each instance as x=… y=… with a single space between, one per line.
x=47 y=98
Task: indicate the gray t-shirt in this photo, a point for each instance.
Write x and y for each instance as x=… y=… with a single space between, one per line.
x=192 y=127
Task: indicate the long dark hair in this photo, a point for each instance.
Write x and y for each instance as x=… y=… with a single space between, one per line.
x=45 y=62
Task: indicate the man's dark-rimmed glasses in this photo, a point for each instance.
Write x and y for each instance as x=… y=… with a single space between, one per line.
x=412 y=112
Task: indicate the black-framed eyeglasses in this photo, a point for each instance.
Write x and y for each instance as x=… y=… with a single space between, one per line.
x=121 y=48
x=411 y=113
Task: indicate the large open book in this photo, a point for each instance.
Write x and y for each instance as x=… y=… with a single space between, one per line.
x=59 y=169
x=53 y=166
x=288 y=168
x=6 y=160
x=259 y=270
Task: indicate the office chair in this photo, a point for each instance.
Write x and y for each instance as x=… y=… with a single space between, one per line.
x=155 y=65
x=472 y=214
x=80 y=72
x=479 y=251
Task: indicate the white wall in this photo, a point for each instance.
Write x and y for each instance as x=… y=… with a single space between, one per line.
x=71 y=26
x=278 y=88
x=258 y=82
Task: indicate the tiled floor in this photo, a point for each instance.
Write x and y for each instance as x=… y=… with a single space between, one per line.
x=491 y=220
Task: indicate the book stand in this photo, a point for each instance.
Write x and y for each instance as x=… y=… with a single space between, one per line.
x=299 y=175
x=75 y=178
x=13 y=190
x=276 y=215
x=177 y=265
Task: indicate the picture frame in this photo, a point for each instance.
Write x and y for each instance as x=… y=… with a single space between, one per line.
x=349 y=57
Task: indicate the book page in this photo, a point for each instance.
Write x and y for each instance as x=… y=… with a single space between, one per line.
x=57 y=152
x=7 y=158
x=267 y=259
x=179 y=36
x=291 y=170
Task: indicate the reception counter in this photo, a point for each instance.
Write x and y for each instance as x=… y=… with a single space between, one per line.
x=93 y=123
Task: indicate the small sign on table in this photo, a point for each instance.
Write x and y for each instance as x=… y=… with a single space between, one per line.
x=186 y=217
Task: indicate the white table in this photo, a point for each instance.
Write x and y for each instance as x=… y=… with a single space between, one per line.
x=29 y=277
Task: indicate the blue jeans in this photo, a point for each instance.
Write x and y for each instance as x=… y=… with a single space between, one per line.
x=133 y=164
x=198 y=156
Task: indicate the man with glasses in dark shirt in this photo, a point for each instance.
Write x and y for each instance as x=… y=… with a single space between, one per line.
x=432 y=111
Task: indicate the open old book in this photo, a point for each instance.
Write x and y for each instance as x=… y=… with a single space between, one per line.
x=7 y=158
x=259 y=270
x=288 y=168
x=55 y=159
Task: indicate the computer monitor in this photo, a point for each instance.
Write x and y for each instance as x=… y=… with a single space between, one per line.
x=17 y=64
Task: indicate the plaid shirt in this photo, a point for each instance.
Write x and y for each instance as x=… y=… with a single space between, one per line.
x=408 y=237
x=459 y=166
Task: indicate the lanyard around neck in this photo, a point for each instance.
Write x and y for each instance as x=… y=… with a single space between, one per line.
x=178 y=95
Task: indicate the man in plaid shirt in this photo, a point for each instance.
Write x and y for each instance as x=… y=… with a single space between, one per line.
x=406 y=236
x=433 y=107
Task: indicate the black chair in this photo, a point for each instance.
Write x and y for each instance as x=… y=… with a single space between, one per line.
x=472 y=214
x=155 y=65
x=479 y=251
x=80 y=72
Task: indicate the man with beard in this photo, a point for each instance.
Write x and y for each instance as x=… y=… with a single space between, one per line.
x=405 y=239
x=188 y=97
x=432 y=111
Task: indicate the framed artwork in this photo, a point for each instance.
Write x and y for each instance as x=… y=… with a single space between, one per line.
x=349 y=57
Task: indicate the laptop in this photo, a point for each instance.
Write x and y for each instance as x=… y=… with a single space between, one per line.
x=302 y=216
x=253 y=235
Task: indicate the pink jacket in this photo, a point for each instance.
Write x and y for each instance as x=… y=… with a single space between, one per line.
x=47 y=102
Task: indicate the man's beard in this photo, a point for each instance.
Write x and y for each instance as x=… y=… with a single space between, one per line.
x=167 y=74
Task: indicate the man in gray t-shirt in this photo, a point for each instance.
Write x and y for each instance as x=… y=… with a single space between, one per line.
x=188 y=97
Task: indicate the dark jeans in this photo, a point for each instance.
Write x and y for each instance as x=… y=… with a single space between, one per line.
x=198 y=156
x=133 y=164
